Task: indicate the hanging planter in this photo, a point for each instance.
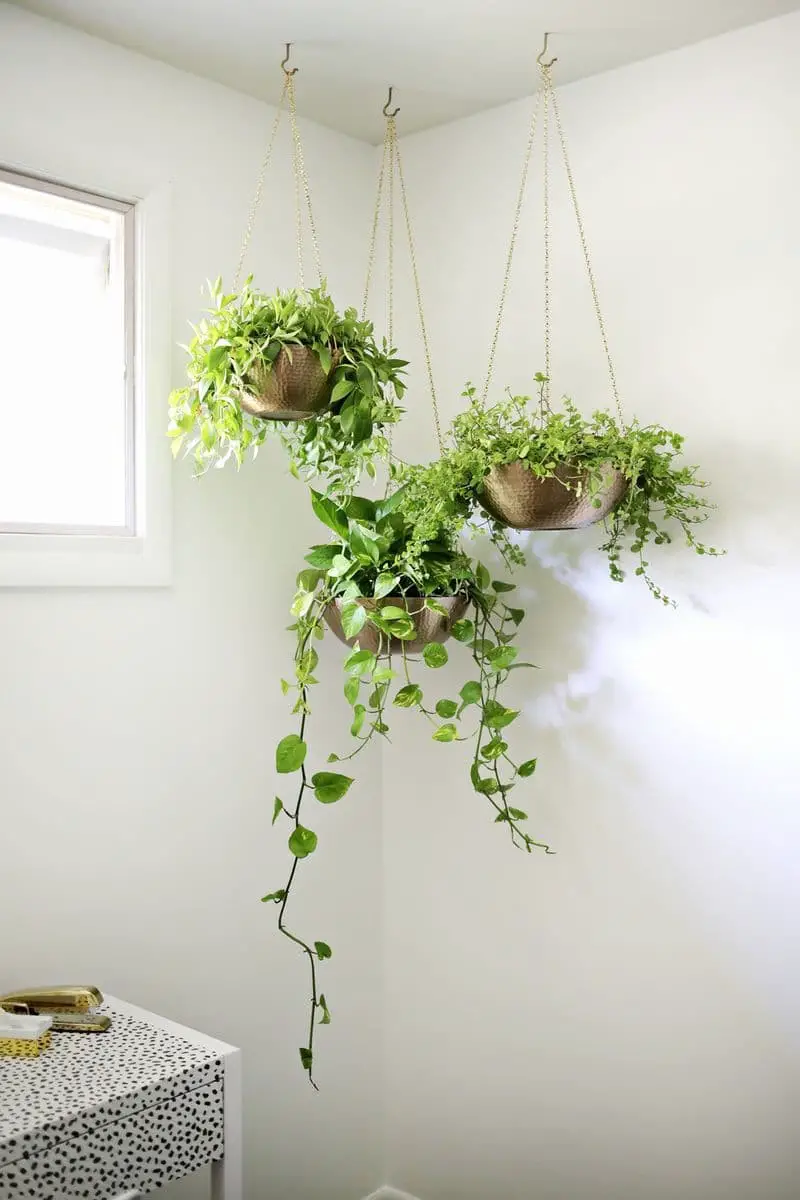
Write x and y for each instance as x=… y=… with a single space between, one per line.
x=294 y=387
x=432 y=619
x=516 y=497
x=533 y=467
x=393 y=583
x=287 y=362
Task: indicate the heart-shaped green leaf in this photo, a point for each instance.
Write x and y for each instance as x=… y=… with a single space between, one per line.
x=527 y=768
x=446 y=733
x=463 y=631
x=290 y=754
x=302 y=842
x=354 y=617
x=446 y=709
x=435 y=655
x=408 y=696
x=323 y=950
x=330 y=787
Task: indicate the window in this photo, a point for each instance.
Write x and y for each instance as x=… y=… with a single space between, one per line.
x=82 y=408
x=67 y=452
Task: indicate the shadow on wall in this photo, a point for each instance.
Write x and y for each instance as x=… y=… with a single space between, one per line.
x=680 y=720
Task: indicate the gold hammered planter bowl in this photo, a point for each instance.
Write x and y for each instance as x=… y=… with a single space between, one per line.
x=429 y=626
x=516 y=497
x=294 y=388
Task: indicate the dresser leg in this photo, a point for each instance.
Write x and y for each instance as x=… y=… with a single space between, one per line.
x=226 y=1175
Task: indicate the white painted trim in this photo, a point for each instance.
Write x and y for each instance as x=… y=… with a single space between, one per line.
x=142 y=560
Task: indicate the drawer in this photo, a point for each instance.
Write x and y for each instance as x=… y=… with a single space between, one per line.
x=139 y=1152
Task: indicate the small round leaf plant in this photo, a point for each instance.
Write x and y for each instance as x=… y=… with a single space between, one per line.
x=661 y=492
x=392 y=570
x=246 y=336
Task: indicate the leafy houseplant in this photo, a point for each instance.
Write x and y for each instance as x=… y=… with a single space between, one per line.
x=632 y=476
x=394 y=584
x=290 y=359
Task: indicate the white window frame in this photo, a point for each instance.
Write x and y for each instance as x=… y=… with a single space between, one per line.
x=138 y=554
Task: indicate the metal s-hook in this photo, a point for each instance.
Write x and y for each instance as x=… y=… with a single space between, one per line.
x=385 y=109
x=545 y=65
x=286 y=71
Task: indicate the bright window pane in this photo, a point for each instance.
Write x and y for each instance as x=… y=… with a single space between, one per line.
x=64 y=417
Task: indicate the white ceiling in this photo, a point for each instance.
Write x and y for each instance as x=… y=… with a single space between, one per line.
x=445 y=58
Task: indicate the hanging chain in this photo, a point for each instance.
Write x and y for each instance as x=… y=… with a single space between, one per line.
x=545 y=394
x=256 y=201
x=509 y=258
x=391 y=129
x=301 y=185
x=418 y=289
x=376 y=216
x=585 y=247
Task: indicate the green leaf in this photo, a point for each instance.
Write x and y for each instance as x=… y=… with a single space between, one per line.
x=359 y=713
x=329 y=787
x=517 y=615
x=463 y=631
x=354 y=617
x=517 y=814
x=326 y=1016
x=285 y=686
x=435 y=655
x=302 y=842
x=341 y=389
x=471 y=692
x=364 y=545
x=351 y=689
x=324 y=355
x=360 y=663
x=290 y=754
x=323 y=556
x=500 y=586
x=391 y=503
x=275 y=897
x=494 y=748
x=340 y=566
x=330 y=514
x=385 y=584
x=408 y=696
x=497 y=716
x=446 y=709
x=391 y=612
x=306 y=1058
x=359 y=508
x=527 y=768
x=482 y=577
x=384 y=674
x=277 y=810
x=302 y=603
x=446 y=733
x=502 y=657
x=323 y=950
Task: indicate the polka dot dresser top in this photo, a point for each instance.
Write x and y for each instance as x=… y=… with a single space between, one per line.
x=101 y=1113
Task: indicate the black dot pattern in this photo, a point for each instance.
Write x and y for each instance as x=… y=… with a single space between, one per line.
x=100 y=1114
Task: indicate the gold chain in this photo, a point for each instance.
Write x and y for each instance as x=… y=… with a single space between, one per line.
x=256 y=201
x=391 y=129
x=510 y=256
x=585 y=247
x=376 y=216
x=546 y=183
x=301 y=183
x=418 y=290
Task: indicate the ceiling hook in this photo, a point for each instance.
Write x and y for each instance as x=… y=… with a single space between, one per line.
x=385 y=109
x=541 y=54
x=286 y=71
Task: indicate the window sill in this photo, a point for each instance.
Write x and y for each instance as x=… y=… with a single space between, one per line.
x=40 y=560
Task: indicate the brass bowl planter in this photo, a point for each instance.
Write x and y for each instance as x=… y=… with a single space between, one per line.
x=516 y=497
x=294 y=388
x=430 y=626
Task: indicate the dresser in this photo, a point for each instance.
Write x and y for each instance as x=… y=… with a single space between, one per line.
x=117 y=1114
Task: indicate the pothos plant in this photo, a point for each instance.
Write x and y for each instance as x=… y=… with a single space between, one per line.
x=241 y=337
x=387 y=562
x=662 y=492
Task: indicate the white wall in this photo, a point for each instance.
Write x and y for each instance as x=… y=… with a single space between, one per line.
x=137 y=728
x=620 y=1021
